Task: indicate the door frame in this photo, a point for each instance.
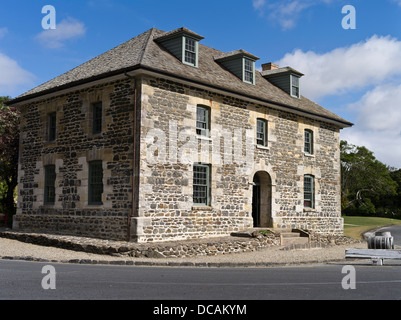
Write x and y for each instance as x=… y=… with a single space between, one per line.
x=262 y=194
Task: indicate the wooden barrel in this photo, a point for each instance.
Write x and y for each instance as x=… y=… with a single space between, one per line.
x=381 y=240
x=383 y=234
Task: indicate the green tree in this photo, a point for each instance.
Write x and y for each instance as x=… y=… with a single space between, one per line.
x=363 y=179
x=396 y=176
x=9 y=147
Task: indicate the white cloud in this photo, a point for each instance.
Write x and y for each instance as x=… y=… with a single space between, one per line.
x=13 y=78
x=258 y=4
x=346 y=69
x=372 y=67
x=386 y=146
x=397 y=1
x=101 y=3
x=285 y=12
x=65 y=30
x=3 y=32
x=378 y=123
x=380 y=109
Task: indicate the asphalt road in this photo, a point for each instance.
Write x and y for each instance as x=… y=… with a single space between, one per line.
x=23 y=281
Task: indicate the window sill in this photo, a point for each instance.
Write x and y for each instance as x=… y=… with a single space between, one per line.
x=94 y=206
x=190 y=64
x=98 y=135
x=208 y=208
x=48 y=206
x=258 y=146
x=203 y=138
x=50 y=143
x=309 y=210
x=309 y=155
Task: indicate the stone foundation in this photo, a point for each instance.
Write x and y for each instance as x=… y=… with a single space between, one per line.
x=188 y=248
x=182 y=249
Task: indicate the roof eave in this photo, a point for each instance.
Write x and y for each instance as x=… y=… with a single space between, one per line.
x=341 y=124
x=284 y=70
x=235 y=54
x=71 y=85
x=177 y=33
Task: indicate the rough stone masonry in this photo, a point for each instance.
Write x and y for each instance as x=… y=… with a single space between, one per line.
x=164 y=206
x=166 y=209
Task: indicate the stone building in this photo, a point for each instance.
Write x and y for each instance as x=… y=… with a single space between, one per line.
x=163 y=138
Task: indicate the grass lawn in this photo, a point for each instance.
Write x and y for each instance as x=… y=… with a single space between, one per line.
x=355 y=226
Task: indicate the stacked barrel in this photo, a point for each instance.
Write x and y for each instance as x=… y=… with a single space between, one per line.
x=381 y=240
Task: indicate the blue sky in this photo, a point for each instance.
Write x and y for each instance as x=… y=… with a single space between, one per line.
x=355 y=73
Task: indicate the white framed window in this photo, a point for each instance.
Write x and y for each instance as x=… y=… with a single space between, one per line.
x=261 y=132
x=201 y=185
x=308 y=148
x=295 y=86
x=309 y=191
x=95 y=183
x=97 y=118
x=249 y=71
x=50 y=188
x=190 y=51
x=52 y=127
x=202 y=121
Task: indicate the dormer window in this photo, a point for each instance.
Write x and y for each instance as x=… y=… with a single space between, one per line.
x=240 y=63
x=190 y=54
x=249 y=71
x=295 y=86
x=183 y=44
x=287 y=78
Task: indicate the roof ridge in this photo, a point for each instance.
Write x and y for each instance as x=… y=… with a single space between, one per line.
x=146 y=45
x=66 y=74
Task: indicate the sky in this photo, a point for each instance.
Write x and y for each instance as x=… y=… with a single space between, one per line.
x=351 y=59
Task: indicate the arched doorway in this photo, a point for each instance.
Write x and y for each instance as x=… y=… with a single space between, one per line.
x=262 y=200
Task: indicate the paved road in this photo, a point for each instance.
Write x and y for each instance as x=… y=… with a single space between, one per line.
x=23 y=280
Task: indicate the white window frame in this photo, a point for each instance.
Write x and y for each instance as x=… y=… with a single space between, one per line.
x=207 y=185
x=308 y=144
x=311 y=193
x=185 y=50
x=297 y=86
x=245 y=71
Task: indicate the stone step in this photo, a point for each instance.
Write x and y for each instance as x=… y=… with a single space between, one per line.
x=287 y=238
x=290 y=234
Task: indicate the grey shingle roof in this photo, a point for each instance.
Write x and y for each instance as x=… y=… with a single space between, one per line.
x=239 y=52
x=280 y=70
x=176 y=32
x=143 y=51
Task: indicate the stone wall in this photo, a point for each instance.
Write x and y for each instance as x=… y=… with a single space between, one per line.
x=74 y=147
x=163 y=160
x=168 y=123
